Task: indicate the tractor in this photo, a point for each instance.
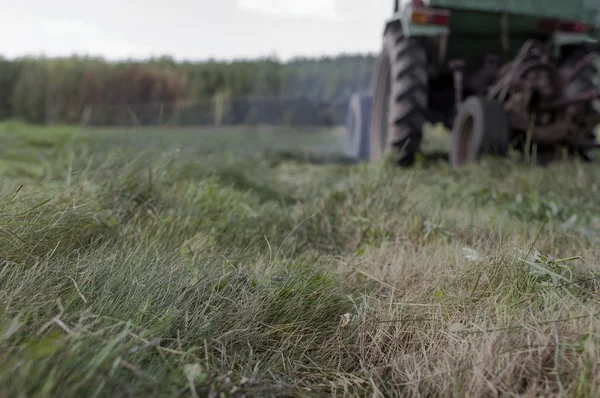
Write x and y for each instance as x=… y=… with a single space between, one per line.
x=497 y=74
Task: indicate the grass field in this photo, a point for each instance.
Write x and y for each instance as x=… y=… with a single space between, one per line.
x=213 y=263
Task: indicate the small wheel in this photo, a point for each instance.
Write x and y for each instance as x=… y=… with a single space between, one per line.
x=480 y=127
x=357 y=124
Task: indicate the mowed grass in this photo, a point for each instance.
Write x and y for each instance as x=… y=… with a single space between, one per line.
x=131 y=268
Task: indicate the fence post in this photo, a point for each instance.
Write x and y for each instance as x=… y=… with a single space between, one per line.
x=86 y=115
x=219 y=101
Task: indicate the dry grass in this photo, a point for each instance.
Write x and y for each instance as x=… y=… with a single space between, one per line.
x=174 y=275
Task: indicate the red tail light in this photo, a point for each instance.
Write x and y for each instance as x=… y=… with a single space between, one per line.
x=557 y=25
x=429 y=16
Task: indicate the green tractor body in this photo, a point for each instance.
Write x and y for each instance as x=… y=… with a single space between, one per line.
x=475 y=26
x=513 y=59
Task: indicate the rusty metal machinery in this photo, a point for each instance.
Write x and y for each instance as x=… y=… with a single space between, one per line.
x=534 y=91
x=542 y=104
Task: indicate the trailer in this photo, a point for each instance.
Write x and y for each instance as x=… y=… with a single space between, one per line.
x=498 y=74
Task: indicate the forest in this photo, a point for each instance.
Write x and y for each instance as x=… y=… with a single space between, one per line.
x=161 y=90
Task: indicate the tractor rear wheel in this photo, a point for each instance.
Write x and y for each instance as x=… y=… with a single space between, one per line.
x=480 y=127
x=586 y=79
x=400 y=98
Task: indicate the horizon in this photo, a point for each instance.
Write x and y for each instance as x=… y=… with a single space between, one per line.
x=219 y=31
x=180 y=61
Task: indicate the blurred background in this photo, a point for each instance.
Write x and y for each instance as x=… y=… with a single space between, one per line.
x=187 y=63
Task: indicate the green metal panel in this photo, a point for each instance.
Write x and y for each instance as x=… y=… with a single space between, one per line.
x=475 y=5
x=411 y=29
x=579 y=10
x=576 y=10
x=479 y=26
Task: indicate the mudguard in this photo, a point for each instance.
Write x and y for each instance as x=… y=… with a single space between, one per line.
x=402 y=19
x=413 y=29
x=560 y=39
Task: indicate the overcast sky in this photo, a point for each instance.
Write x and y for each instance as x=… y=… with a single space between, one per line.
x=191 y=29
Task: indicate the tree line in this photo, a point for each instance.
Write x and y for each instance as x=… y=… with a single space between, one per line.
x=58 y=90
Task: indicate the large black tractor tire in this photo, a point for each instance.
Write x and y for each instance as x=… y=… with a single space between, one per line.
x=400 y=98
x=357 y=124
x=480 y=128
x=586 y=79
